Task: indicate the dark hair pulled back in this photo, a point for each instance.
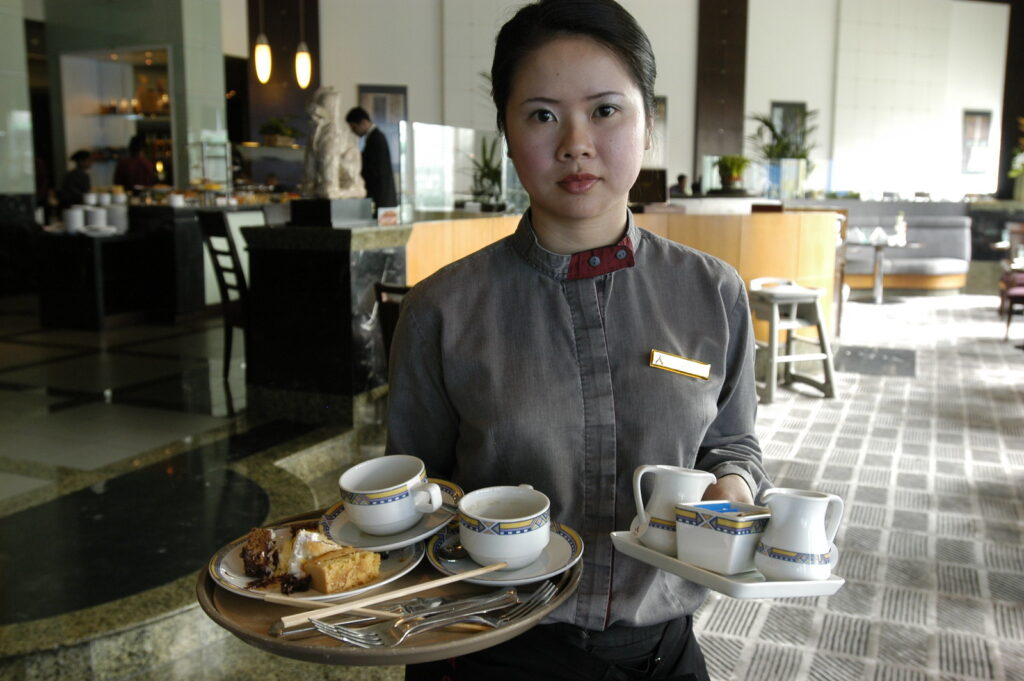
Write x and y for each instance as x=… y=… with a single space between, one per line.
x=604 y=21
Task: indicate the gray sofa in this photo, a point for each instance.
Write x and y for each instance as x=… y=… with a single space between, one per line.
x=941 y=262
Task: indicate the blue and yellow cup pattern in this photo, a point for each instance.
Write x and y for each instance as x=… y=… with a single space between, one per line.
x=794 y=556
x=378 y=498
x=715 y=521
x=505 y=528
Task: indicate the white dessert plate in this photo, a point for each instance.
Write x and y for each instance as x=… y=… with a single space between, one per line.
x=750 y=584
x=563 y=550
x=228 y=571
x=336 y=525
x=99 y=230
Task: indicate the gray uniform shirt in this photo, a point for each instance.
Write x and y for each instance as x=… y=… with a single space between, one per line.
x=517 y=365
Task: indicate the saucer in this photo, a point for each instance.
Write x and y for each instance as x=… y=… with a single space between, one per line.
x=227 y=570
x=750 y=584
x=561 y=553
x=336 y=525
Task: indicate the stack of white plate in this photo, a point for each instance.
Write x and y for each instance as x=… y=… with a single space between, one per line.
x=95 y=215
x=117 y=216
x=74 y=220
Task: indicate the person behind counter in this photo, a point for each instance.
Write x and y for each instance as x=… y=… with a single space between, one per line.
x=529 y=361
x=77 y=182
x=380 y=181
x=135 y=170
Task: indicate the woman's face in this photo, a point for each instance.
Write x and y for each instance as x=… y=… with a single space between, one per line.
x=576 y=131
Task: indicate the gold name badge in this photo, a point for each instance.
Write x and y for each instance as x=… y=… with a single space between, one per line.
x=680 y=365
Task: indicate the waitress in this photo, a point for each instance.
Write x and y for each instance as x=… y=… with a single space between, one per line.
x=530 y=360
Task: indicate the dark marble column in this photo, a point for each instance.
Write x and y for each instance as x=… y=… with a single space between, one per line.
x=313 y=341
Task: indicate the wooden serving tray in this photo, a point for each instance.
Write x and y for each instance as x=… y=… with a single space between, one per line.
x=250 y=619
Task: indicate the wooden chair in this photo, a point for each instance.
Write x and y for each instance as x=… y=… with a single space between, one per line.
x=234 y=293
x=389 y=303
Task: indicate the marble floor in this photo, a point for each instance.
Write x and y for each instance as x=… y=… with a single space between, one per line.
x=125 y=461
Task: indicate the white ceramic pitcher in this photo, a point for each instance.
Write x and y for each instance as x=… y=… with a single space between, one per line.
x=655 y=525
x=797 y=543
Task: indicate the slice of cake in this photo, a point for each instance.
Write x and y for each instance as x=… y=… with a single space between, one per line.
x=344 y=569
x=259 y=554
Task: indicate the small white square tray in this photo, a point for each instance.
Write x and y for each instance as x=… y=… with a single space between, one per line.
x=750 y=584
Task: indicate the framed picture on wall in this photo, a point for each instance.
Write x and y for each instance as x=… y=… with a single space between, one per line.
x=977 y=157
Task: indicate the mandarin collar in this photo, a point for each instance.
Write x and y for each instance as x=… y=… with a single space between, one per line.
x=582 y=265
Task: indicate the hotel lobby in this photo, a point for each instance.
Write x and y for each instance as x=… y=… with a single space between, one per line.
x=133 y=446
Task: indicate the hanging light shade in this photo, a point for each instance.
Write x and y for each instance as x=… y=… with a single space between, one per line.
x=262 y=58
x=303 y=60
x=261 y=54
x=303 y=65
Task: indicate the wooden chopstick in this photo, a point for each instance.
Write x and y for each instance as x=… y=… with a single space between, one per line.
x=337 y=608
x=304 y=603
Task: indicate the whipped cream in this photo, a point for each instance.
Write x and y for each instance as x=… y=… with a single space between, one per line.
x=307 y=545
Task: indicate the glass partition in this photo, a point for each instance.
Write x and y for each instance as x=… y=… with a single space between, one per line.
x=458 y=169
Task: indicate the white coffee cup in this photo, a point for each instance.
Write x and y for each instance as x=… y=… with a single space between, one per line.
x=505 y=524
x=388 y=494
x=89 y=198
x=176 y=200
x=104 y=198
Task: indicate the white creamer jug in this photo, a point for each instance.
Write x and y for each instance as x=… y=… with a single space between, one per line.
x=797 y=543
x=655 y=525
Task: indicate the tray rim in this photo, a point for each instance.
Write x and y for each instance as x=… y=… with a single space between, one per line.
x=729 y=586
x=324 y=650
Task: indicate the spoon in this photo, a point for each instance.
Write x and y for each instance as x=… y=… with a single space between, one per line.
x=451 y=549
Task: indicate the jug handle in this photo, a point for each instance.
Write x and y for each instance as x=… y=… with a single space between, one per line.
x=641 y=514
x=833 y=515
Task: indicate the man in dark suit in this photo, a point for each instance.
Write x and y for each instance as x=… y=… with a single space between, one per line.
x=380 y=182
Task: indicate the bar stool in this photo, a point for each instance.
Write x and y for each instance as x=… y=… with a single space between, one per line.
x=787 y=307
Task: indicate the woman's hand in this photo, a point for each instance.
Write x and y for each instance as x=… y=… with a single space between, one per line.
x=729 y=488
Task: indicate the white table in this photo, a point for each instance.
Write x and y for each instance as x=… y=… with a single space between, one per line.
x=877 y=271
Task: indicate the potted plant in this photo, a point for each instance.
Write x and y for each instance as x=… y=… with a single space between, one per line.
x=730 y=170
x=487 y=175
x=278 y=133
x=785 y=144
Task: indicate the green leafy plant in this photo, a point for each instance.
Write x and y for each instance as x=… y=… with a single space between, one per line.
x=487 y=170
x=279 y=126
x=793 y=141
x=730 y=168
x=1017 y=164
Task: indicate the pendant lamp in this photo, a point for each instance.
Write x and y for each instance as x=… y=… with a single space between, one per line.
x=261 y=55
x=303 y=60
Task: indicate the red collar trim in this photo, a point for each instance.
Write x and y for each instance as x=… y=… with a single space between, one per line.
x=602 y=260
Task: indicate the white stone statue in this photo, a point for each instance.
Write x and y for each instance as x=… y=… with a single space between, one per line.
x=333 y=163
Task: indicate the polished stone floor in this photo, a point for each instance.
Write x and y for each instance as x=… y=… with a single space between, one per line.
x=125 y=461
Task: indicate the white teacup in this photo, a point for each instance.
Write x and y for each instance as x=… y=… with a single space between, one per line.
x=389 y=494
x=505 y=524
x=89 y=198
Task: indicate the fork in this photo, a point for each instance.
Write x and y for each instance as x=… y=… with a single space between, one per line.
x=393 y=633
x=473 y=604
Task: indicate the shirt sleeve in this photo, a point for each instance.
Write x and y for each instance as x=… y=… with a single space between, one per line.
x=730 y=445
x=421 y=419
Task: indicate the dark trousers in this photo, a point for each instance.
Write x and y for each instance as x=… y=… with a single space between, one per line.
x=562 y=652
